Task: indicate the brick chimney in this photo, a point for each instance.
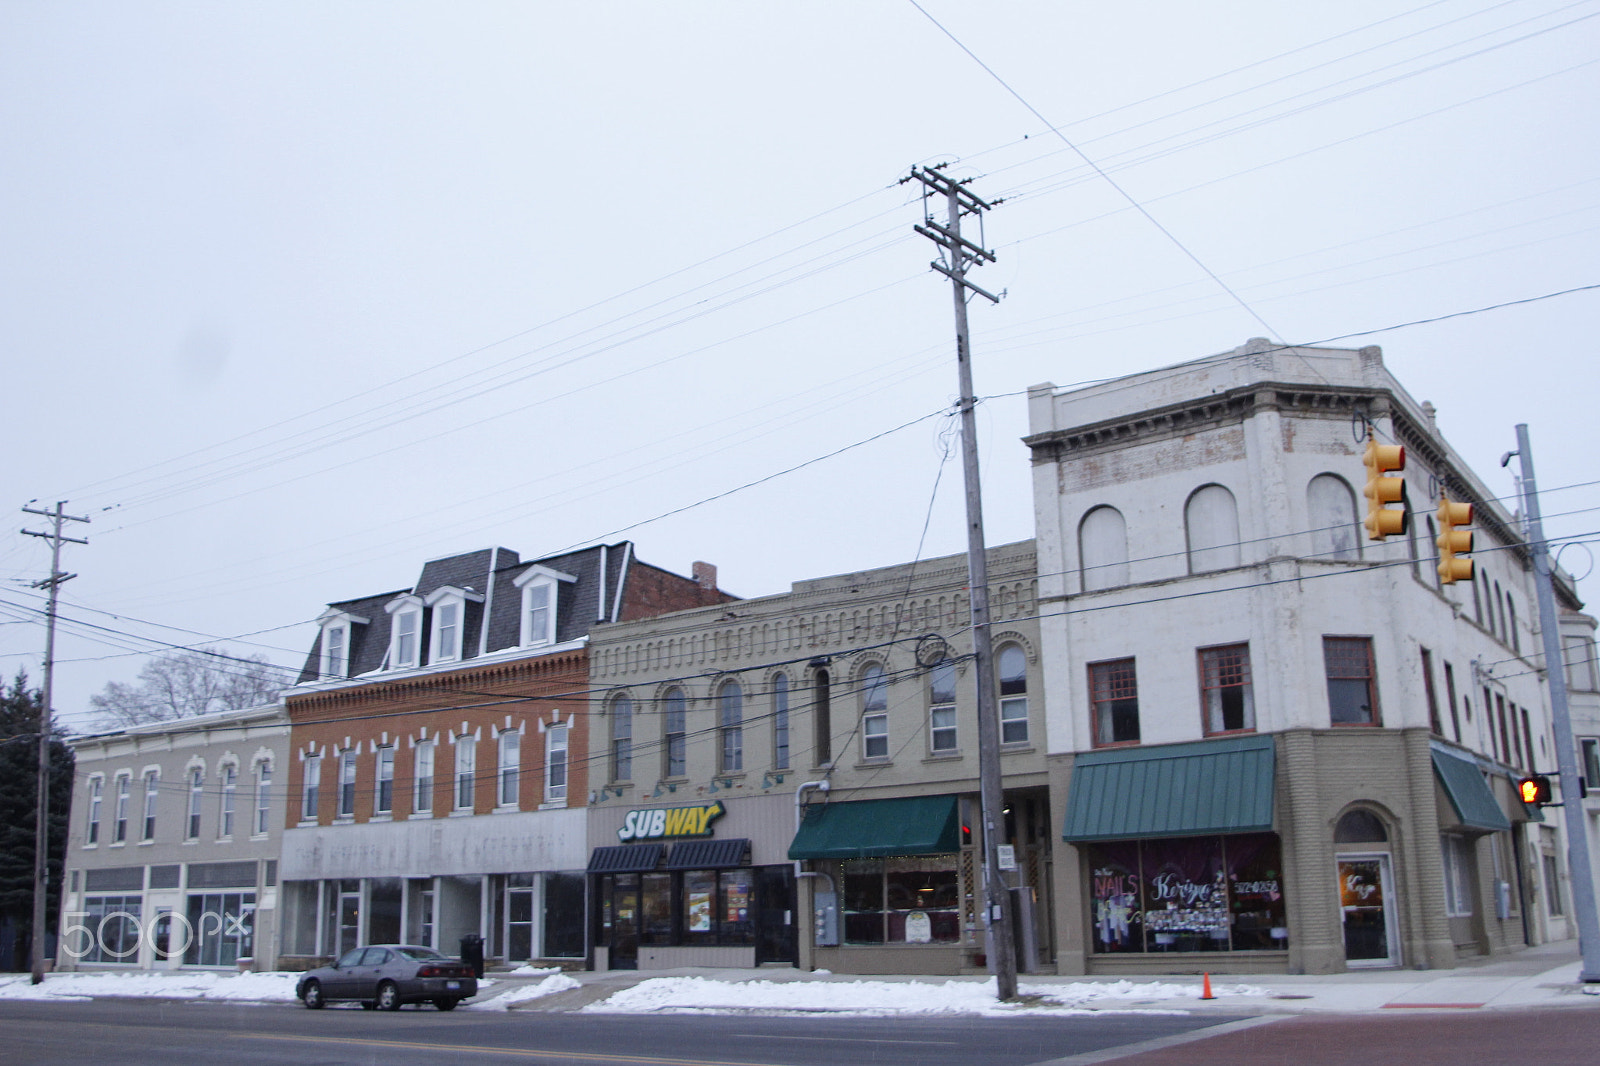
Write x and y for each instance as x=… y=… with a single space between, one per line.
x=705 y=575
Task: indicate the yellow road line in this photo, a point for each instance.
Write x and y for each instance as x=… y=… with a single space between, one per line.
x=527 y=1053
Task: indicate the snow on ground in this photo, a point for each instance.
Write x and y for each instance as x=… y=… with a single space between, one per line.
x=556 y=981
x=876 y=998
x=173 y=984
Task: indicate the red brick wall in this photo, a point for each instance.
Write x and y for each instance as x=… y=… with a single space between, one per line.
x=652 y=591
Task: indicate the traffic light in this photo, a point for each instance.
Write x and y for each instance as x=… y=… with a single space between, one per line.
x=1534 y=790
x=1454 y=543
x=1383 y=521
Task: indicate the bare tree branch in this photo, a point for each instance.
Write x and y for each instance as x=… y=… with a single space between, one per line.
x=184 y=684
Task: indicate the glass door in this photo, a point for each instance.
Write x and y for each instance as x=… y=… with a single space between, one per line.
x=1367 y=909
x=625 y=922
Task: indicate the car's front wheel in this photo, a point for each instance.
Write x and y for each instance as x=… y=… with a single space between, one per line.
x=388 y=996
x=311 y=995
x=446 y=1003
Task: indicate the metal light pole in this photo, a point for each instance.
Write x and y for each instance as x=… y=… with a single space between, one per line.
x=1583 y=894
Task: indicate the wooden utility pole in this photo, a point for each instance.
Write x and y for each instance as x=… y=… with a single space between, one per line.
x=958 y=254
x=41 y=828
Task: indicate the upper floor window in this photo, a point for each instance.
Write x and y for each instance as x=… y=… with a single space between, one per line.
x=622 y=739
x=730 y=731
x=1103 y=548
x=383 y=795
x=310 y=788
x=347 y=783
x=336 y=651
x=1211 y=521
x=1580 y=664
x=119 y=823
x=509 y=769
x=197 y=791
x=1114 y=697
x=555 y=764
x=91 y=833
x=405 y=632
x=152 y=790
x=821 y=718
x=466 y=771
x=1331 y=508
x=1012 y=671
x=874 y=713
x=540 y=598
x=449 y=614
x=1352 y=687
x=1225 y=690
x=942 y=736
x=675 y=723
x=422 y=778
x=1590 y=751
x=230 y=787
x=263 y=818
x=780 y=722
x=1511 y=624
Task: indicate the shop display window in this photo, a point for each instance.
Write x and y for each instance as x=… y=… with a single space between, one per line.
x=909 y=900
x=699 y=907
x=1188 y=894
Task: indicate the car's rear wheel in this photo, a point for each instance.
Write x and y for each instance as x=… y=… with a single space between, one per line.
x=367 y=1004
x=445 y=1003
x=388 y=996
x=311 y=995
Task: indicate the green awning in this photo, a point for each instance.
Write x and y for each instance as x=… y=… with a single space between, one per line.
x=1469 y=792
x=866 y=829
x=1175 y=790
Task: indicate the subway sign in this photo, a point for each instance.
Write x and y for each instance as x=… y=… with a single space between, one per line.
x=664 y=822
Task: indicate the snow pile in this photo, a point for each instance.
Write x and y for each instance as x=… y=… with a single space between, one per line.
x=528 y=969
x=178 y=984
x=878 y=998
x=555 y=982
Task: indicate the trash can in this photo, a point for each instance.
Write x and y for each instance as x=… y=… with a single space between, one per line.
x=472 y=952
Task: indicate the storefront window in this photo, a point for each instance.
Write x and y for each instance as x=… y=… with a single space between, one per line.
x=1188 y=894
x=912 y=900
x=563 y=916
x=223 y=928
x=705 y=907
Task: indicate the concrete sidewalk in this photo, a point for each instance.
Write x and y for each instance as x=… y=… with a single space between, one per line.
x=1545 y=976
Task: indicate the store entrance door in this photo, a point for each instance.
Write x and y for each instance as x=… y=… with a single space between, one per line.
x=625 y=923
x=1366 y=898
x=777 y=937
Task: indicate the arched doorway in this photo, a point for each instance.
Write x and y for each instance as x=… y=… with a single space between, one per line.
x=1367 y=908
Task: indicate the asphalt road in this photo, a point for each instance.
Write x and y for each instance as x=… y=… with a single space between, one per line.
x=130 y=1032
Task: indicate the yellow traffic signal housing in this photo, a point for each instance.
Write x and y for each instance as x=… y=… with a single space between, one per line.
x=1534 y=790
x=1454 y=542
x=1382 y=489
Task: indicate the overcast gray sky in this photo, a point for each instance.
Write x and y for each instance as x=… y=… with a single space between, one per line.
x=298 y=295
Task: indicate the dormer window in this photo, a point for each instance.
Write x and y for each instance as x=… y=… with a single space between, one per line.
x=337 y=633
x=539 y=585
x=405 y=631
x=449 y=620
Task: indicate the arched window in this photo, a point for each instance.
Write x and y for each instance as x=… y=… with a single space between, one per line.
x=1360 y=827
x=1331 y=509
x=674 y=754
x=730 y=699
x=1103 y=548
x=622 y=739
x=874 y=713
x=780 y=722
x=1012 y=669
x=1211 y=522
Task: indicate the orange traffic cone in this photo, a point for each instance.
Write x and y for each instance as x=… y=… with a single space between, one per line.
x=1205 y=991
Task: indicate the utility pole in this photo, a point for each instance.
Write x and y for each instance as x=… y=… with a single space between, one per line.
x=41 y=828
x=1555 y=668
x=957 y=255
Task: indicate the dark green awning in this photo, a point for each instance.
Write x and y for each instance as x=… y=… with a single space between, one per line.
x=912 y=825
x=1469 y=792
x=1175 y=790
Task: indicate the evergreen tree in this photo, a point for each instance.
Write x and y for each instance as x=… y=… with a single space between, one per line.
x=19 y=765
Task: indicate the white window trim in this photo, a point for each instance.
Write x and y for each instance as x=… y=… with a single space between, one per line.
x=549 y=729
x=456 y=807
x=501 y=768
x=331 y=621
x=418 y=792
x=150 y=777
x=122 y=799
x=539 y=577
x=398 y=608
x=449 y=596
x=306 y=757
x=96 y=804
x=347 y=757
x=227 y=797
x=259 y=830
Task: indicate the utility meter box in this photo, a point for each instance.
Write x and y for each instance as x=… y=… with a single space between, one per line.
x=826 y=905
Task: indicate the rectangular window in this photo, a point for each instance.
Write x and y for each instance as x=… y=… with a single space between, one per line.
x=942 y=735
x=422 y=780
x=537 y=615
x=1552 y=885
x=622 y=739
x=875 y=736
x=263 y=797
x=780 y=722
x=913 y=900
x=230 y=783
x=92 y=831
x=676 y=747
x=510 y=767
x=1580 y=664
x=405 y=639
x=1012 y=665
x=152 y=789
x=1352 y=689
x=1428 y=692
x=466 y=771
x=334 y=659
x=1450 y=694
x=1591 y=762
x=731 y=699
x=384 y=796
x=120 y=820
x=448 y=636
x=1114 y=697
x=1225 y=689
x=197 y=788
x=347 y=784
x=311 y=788
x=1457 y=876
x=555 y=764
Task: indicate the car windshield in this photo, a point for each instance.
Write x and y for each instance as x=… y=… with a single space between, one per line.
x=420 y=954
